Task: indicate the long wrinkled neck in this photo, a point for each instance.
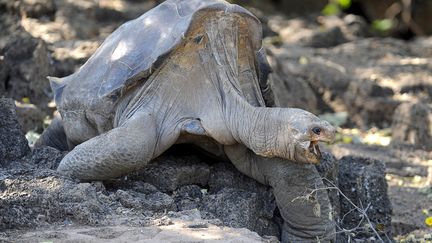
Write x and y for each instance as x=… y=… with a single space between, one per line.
x=256 y=127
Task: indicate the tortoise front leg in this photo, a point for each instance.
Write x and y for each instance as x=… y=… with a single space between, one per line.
x=122 y=150
x=306 y=219
x=54 y=136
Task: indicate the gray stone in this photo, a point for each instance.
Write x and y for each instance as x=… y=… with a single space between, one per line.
x=169 y=173
x=324 y=39
x=159 y=202
x=291 y=90
x=240 y=201
x=370 y=103
x=143 y=187
x=26 y=65
x=13 y=144
x=31 y=8
x=225 y=175
x=30 y=117
x=412 y=124
x=49 y=199
x=46 y=157
x=156 y=202
x=363 y=182
x=240 y=208
x=188 y=197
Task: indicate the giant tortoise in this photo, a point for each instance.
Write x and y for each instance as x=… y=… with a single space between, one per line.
x=191 y=71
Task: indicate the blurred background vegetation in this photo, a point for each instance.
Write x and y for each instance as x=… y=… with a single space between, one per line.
x=399 y=18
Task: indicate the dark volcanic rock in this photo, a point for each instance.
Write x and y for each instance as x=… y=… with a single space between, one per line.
x=371 y=103
x=157 y=201
x=46 y=157
x=13 y=144
x=168 y=173
x=240 y=208
x=363 y=182
x=291 y=90
x=28 y=202
x=29 y=8
x=328 y=38
x=30 y=117
x=25 y=66
x=240 y=201
x=225 y=175
x=412 y=124
x=188 y=197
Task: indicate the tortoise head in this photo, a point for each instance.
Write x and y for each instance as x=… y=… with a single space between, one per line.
x=301 y=133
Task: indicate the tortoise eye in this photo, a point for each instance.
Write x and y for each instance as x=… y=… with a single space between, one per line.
x=198 y=39
x=316 y=130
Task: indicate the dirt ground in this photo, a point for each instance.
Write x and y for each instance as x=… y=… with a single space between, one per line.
x=332 y=66
x=177 y=230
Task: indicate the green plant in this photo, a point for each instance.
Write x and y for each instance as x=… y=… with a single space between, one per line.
x=335 y=7
x=382 y=25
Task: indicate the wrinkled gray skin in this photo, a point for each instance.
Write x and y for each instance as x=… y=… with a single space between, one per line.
x=191 y=72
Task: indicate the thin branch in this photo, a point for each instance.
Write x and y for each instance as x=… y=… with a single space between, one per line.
x=361 y=210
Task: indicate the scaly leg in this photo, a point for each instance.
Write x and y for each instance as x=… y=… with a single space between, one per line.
x=54 y=136
x=306 y=219
x=115 y=153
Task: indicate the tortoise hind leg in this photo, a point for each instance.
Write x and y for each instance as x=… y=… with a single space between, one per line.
x=54 y=136
x=306 y=219
x=121 y=150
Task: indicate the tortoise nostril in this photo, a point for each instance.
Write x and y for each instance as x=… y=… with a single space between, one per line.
x=316 y=130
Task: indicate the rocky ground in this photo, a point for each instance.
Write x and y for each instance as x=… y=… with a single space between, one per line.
x=378 y=90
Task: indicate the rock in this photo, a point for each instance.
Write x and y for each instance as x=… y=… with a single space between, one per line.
x=52 y=199
x=81 y=202
x=239 y=201
x=19 y=199
x=168 y=173
x=30 y=8
x=13 y=144
x=363 y=182
x=240 y=208
x=412 y=123
x=156 y=202
x=326 y=38
x=164 y=221
x=30 y=117
x=291 y=90
x=308 y=81
x=188 y=197
x=46 y=157
x=26 y=65
x=370 y=103
x=225 y=175
x=356 y=25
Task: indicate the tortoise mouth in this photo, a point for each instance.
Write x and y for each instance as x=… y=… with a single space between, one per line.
x=314 y=149
x=308 y=152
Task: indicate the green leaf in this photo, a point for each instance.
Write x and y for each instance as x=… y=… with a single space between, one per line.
x=382 y=25
x=25 y=100
x=331 y=9
x=344 y=4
